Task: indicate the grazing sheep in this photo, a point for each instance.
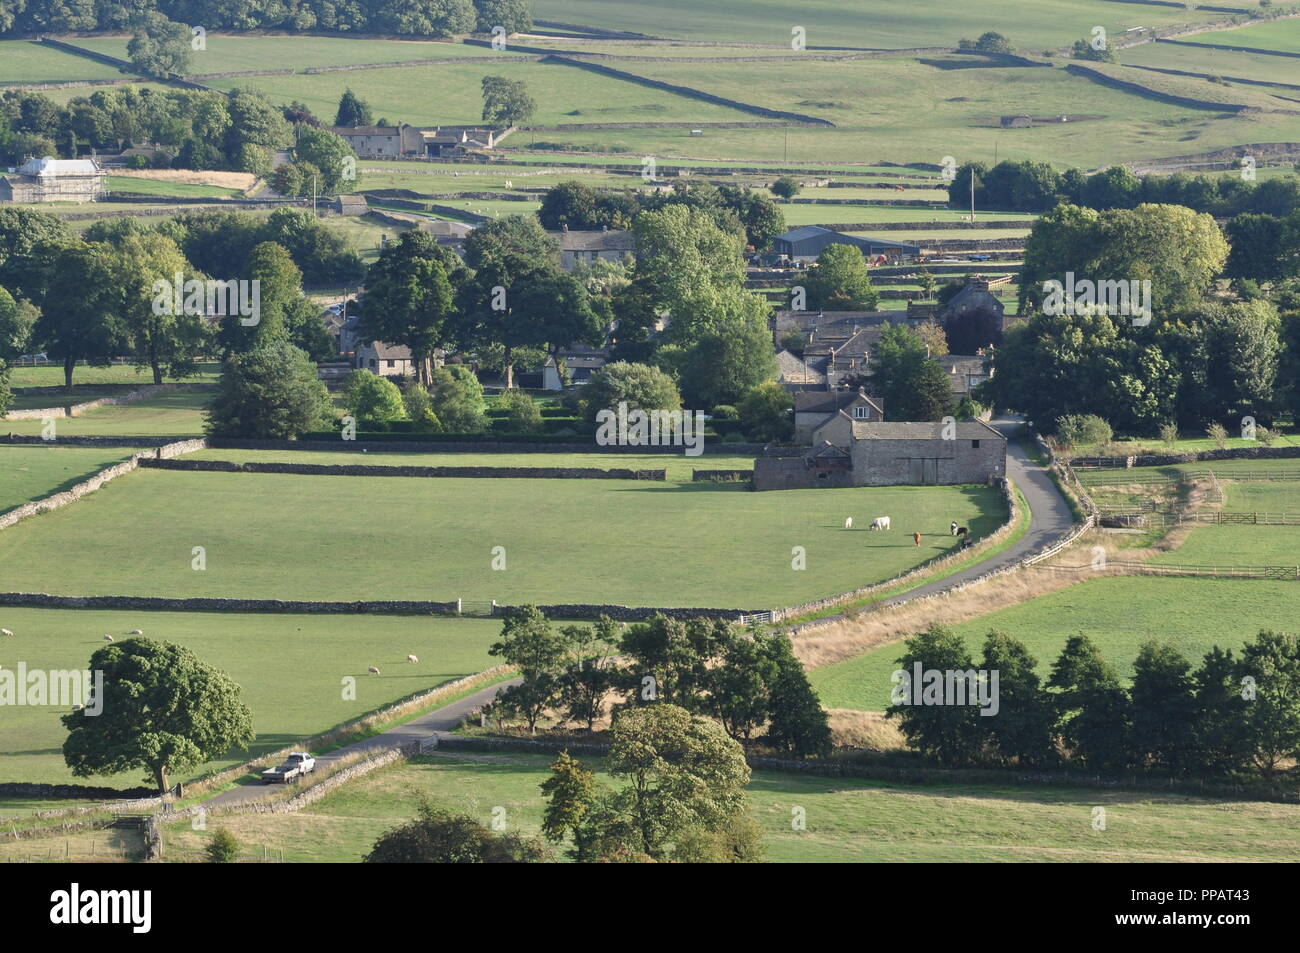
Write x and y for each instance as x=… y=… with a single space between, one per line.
x=848 y=523
x=372 y=670
x=5 y=632
x=136 y=632
x=880 y=522
x=412 y=658
x=107 y=637
x=962 y=530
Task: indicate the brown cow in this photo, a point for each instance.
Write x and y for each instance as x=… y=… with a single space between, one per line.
x=916 y=537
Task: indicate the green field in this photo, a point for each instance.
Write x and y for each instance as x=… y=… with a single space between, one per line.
x=290 y=667
x=30 y=473
x=1281 y=35
x=1225 y=62
x=848 y=820
x=26 y=62
x=876 y=24
x=460 y=100
x=129 y=183
x=1117 y=613
x=51 y=375
x=227 y=53
x=175 y=413
x=609 y=541
x=679 y=467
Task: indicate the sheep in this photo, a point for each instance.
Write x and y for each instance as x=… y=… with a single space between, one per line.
x=107 y=637
x=880 y=522
x=372 y=670
x=136 y=632
x=848 y=523
x=6 y=632
x=412 y=659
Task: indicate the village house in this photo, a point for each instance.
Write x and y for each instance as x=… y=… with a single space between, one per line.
x=386 y=360
x=579 y=364
x=815 y=409
x=379 y=142
x=975 y=296
x=54 y=180
x=853 y=452
x=586 y=247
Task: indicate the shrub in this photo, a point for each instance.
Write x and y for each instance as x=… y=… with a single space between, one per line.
x=522 y=414
x=786 y=187
x=733 y=438
x=1265 y=436
x=223 y=848
x=1080 y=429
x=1169 y=434
x=724 y=412
x=272 y=392
x=767 y=413
x=457 y=402
x=419 y=408
x=372 y=398
x=641 y=386
x=1218 y=433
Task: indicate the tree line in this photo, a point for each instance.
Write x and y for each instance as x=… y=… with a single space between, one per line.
x=413 y=17
x=1233 y=716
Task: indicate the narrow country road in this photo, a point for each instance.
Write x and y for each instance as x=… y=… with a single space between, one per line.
x=427 y=726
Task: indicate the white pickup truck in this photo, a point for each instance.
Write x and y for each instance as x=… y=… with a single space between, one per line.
x=298 y=763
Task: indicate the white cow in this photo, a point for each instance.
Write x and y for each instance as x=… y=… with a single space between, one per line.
x=107 y=637
x=880 y=522
x=412 y=658
x=5 y=632
x=848 y=523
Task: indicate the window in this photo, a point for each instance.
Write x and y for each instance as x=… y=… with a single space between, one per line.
x=372 y=362
x=975 y=444
x=392 y=363
x=862 y=412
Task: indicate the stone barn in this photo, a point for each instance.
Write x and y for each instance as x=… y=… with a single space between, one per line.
x=852 y=452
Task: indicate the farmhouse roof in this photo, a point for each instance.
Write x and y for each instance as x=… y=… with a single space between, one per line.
x=921 y=430
x=595 y=240
x=791 y=369
x=829 y=402
x=51 y=167
x=390 y=352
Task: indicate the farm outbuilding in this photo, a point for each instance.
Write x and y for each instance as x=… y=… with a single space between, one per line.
x=808 y=242
x=54 y=180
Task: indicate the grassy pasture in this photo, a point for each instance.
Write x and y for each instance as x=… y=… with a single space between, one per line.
x=290 y=667
x=679 y=467
x=876 y=24
x=27 y=62
x=30 y=473
x=1215 y=62
x=848 y=820
x=122 y=183
x=563 y=94
x=913 y=111
x=228 y=53
x=176 y=413
x=51 y=375
x=1117 y=613
x=1281 y=35
x=627 y=542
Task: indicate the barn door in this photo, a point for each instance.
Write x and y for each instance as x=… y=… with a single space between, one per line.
x=931 y=472
x=915 y=471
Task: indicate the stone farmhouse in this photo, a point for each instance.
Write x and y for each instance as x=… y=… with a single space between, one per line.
x=586 y=247
x=815 y=409
x=853 y=452
x=379 y=142
x=386 y=360
x=579 y=364
x=54 y=180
